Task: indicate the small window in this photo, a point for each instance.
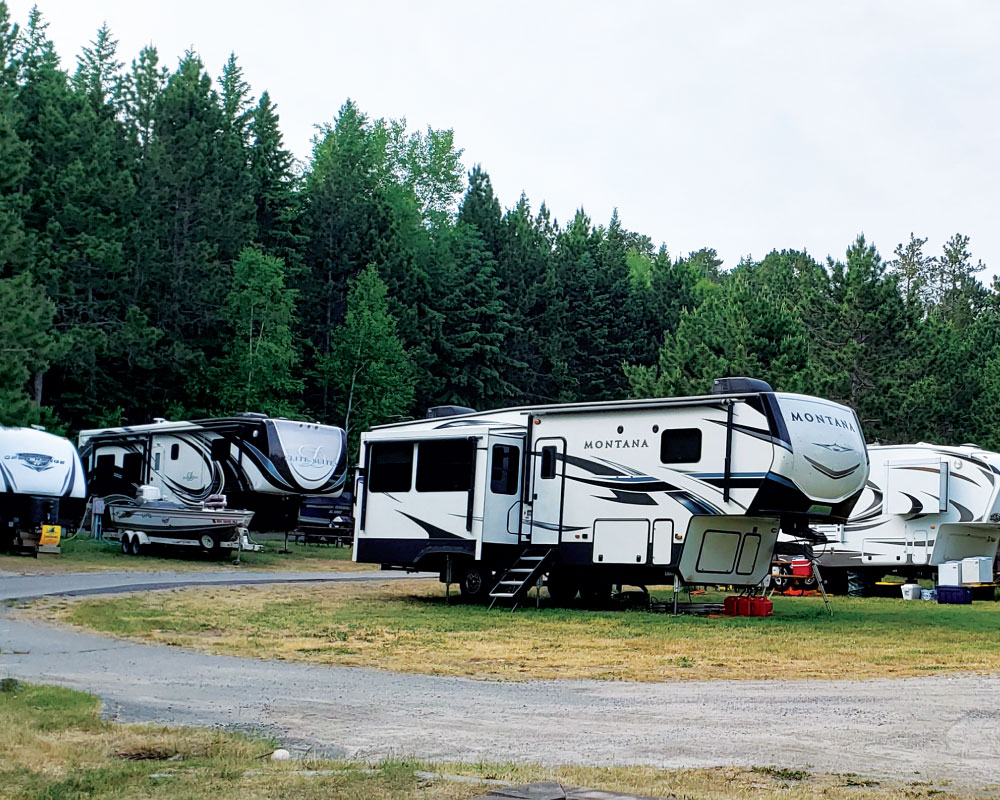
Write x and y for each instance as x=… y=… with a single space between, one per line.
x=156 y=462
x=548 y=462
x=445 y=466
x=391 y=467
x=220 y=449
x=175 y=452
x=680 y=446
x=504 y=469
x=132 y=468
x=106 y=465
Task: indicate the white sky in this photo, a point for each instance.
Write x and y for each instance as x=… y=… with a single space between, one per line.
x=744 y=126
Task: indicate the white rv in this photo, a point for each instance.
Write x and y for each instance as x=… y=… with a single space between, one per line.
x=41 y=483
x=923 y=505
x=595 y=494
x=261 y=464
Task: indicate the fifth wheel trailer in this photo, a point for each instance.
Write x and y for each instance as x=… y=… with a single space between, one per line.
x=595 y=494
x=41 y=483
x=259 y=463
x=923 y=505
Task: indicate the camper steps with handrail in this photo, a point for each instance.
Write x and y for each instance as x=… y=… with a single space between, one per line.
x=520 y=576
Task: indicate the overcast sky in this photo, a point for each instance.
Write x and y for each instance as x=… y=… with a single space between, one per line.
x=743 y=126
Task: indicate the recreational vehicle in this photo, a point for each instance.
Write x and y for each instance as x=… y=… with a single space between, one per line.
x=596 y=494
x=261 y=464
x=42 y=488
x=922 y=505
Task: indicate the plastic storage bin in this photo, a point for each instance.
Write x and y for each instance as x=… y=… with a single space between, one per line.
x=978 y=569
x=911 y=591
x=950 y=573
x=954 y=595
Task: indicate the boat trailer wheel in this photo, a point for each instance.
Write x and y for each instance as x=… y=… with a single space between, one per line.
x=207 y=542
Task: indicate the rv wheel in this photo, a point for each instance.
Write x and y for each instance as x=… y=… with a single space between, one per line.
x=207 y=542
x=596 y=595
x=474 y=583
x=562 y=588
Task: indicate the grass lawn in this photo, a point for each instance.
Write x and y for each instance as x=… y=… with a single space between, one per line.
x=87 y=555
x=56 y=746
x=407 y=626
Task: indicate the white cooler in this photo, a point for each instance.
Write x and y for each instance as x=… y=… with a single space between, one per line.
x=950 y=573
x=977 y=570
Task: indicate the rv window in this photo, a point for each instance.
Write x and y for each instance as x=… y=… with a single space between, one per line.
x=175 y=451
x=680 y=446
x=220 y=449
x=503 y=470
x=445 y=466
x=132 y=468
x=106 y=465
x=548 y=462
x=391 y=467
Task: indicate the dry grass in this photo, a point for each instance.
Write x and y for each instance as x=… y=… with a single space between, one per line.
x=56 y=747
x=86 y=555
x=406 y=626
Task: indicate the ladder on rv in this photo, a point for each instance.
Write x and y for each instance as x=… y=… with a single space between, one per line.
x=524 y=573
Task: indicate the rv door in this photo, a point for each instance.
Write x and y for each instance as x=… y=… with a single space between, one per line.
x=545 y=496
x=502 y=503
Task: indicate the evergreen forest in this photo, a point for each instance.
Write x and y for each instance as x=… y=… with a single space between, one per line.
x=163 y=254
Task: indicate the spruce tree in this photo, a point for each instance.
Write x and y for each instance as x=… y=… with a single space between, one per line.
x=27 y=345
x=259 y=367
x=368 y=371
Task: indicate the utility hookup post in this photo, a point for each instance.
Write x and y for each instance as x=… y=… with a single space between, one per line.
x=677 y=591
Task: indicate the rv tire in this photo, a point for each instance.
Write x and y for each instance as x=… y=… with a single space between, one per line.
x=562 y=588
x=475 y=583
x=596 y=595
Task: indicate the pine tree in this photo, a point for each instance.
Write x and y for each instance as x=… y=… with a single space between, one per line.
x=369 y=373
x=27 y=345
x=258 y=368
x=278 y=211
x=98 y=72
x=471 y=357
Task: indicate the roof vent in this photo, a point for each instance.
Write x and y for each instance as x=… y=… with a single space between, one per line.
x=448 y=411
x=159 y=420
x=739 y=386
x=250 y=415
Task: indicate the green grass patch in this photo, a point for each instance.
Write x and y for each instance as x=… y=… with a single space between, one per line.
x=408 y=626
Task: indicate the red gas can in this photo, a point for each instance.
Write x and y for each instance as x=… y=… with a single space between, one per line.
x=761 y=607
x=729 y=605
x=743 y=606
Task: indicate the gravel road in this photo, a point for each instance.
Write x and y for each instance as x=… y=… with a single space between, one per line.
x=26 y=587
x=933 y=728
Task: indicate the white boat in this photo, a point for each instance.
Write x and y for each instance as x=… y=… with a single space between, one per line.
x=148 y=519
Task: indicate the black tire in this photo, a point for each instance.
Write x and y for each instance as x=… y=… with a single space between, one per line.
x=208 y=542
x=138 y=548
x=562 y=588
x=834 y=580
x=596 y=595
x=126 y=545
x=475 y=583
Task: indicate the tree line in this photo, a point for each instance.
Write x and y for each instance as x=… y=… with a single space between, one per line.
x=163 y=254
